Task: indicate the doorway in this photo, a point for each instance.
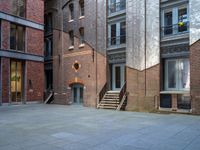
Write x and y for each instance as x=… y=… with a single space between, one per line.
x=118 y=74
x=77 y=93
x=16 y=81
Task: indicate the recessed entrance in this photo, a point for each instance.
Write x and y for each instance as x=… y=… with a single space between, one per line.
x=77 y=93
x=118 y=72
x=16 y=81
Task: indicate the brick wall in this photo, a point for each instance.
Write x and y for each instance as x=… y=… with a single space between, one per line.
x=35 y=41
x=64 y=76
x=35 y=10
x=35 y=73
x=195 y=76
x=143 y=88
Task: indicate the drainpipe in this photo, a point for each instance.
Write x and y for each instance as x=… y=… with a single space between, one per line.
x=96 y=51
x=145 y=40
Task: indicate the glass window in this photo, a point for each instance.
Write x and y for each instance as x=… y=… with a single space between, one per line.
x=71 y=36
x=17 y=37
x=177 y=74
x=182 y=20
x=81 y=3
x=113 y=34
x=19 y=7
x=71 y=9
x=81 y=30
x=122 y=32
x=168 y=23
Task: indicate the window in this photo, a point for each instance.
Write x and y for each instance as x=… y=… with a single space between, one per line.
x=71 y=9
x=48 y=23
x=168 y=23
x=19 y=7
x=17 y=37
x=116 y=6
x=81 y=3
x=175 y=20
x=48 y=47
x=71 y=36
x=81 y=30
x=177 y=74
x=117 y=33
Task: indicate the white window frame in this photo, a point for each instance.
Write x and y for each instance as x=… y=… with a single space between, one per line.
x=178 y=75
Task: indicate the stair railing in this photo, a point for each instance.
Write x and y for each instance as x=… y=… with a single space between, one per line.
x=102 y=93
x=122 y=96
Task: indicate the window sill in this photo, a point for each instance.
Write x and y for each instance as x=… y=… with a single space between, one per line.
x=81 y=45
x=81 y=17
x=175 y=92
x=71 y=48
x=71 y=20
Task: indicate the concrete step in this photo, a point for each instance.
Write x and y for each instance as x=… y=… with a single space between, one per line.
x=110 y=102
x=107 y=107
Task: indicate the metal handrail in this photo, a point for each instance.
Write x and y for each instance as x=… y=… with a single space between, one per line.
x=118 y=40
x=102 y=92
x=122 y=92
x=175 y=29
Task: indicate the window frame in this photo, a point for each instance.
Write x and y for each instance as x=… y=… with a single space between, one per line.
x=17 y=37
x=178 y=75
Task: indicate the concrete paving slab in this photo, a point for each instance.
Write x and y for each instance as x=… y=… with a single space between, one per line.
x=58 y=127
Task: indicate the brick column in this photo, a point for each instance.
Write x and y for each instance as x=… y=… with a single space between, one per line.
x=174 y=102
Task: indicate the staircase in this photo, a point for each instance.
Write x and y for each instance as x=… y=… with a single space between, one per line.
x=110 y=100
x=116 y=100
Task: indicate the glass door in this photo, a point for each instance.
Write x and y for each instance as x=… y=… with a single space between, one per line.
x=77 y=94
x=118 y=72
x=16 y=78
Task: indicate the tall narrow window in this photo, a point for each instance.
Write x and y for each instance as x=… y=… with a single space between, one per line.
x=71 y=36
x=82 y=11
x=71 y=9
x=113 y=39
x=122 y=32
x=168 y=28
x=81 y=35
x=19 y=7
x=17 y=37
x=182 y=20
x=48 y=23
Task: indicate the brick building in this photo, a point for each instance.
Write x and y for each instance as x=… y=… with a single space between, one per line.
x=21 y=51
x=113 y=53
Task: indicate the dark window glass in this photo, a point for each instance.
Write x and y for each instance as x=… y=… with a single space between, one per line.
x=113 y=34
x=82 y=35
x=122 y=32
x=19 y=7
x=71 y=9
x=71 y=36
x=168 y=28
x=82 y=11
x=17 y=37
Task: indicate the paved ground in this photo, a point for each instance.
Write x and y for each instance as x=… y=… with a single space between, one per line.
x=54 y=127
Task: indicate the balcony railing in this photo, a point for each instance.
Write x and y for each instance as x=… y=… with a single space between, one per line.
x=175 y=29
x=116 y=7
x=114 y=41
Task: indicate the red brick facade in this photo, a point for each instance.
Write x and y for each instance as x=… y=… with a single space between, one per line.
x=143 y=88
x=33 y=71
x=195 y=76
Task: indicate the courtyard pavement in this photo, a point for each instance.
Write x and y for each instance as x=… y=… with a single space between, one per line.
x=55 y=127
